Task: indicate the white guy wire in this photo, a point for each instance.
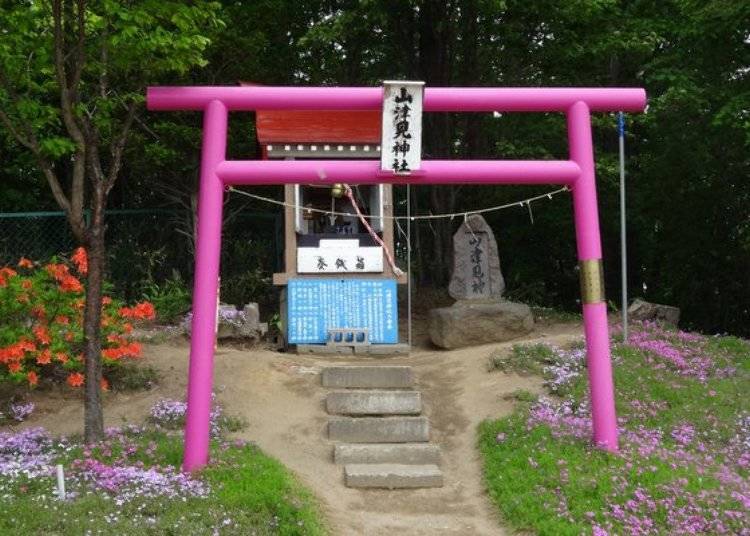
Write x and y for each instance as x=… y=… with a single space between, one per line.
x=548 y=195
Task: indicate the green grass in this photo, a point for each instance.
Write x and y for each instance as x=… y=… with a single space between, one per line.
x=562 y=485
x=523 y=359
x=251 y=493
x=550 y=315
x=132 y=377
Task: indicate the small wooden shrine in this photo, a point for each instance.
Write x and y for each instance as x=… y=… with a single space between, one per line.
x=340 y=290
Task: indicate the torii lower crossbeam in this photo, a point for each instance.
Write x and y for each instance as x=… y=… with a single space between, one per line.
x=217 y=173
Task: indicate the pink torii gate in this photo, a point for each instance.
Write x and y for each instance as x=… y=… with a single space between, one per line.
x=217 y=172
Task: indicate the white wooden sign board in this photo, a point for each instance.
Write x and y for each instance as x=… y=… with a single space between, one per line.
x=401 y=139
x=339 y=256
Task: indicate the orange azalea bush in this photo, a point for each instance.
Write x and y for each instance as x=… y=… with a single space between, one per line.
x=41 y=323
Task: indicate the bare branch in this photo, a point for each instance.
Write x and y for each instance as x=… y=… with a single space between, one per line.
x=20 y=138
x=232 y=214
x=118 y=147
x=80 y=51
x=104 y=59
x=68 y=94
x=184 y=233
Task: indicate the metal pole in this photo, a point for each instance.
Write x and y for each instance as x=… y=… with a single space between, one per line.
x=623 y=228
x=408 y=261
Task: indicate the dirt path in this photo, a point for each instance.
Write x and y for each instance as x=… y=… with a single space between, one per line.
x=281 y=398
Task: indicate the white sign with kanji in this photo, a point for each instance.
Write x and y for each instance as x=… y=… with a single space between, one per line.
x=401 y=140
x=339 y=256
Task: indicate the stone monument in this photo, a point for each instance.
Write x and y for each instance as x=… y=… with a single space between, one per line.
x=480 y=314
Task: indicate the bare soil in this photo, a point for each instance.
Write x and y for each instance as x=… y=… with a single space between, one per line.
x=280 y=397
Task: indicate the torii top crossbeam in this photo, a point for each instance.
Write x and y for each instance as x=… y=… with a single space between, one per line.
x=217 y=172
x=436 y=99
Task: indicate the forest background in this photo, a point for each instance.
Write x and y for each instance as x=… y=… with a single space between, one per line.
x=687 y=157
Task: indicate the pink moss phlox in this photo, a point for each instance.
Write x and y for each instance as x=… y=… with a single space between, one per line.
x=686 y=353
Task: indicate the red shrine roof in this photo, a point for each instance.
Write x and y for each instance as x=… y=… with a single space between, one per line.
x=317 y=126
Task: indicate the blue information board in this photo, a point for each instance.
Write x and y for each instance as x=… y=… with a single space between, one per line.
x=316 y=305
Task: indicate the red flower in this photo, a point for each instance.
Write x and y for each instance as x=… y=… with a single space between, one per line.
x=26 y=345
x=75 y=379
x=104 y=384
x=115 y=338
x=25 y=263
x=26 y=284
x=14 y=367
x=62 y=319
x=140 y=311
x=70 y=284
x=5 y=274
x=32 y=378
x=132 y=349
x=42 y=335
x=38 y=311
x=61 y=357
x=80 y=259
x=58 y=271
x=44 y=357
x=106 y=300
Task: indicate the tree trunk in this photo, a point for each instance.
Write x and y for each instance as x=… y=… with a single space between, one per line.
x=417 y=239
x=436 y=27
x=93 y=415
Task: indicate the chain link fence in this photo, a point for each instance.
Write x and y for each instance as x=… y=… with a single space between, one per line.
x=149 y=246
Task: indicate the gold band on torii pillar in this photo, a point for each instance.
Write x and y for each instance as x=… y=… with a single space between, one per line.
x=592 y=281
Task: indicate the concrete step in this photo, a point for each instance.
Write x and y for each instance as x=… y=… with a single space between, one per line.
x=368 y=377
x=379 y=429
x=400 y=453
x=374 y=402
x=392 y=476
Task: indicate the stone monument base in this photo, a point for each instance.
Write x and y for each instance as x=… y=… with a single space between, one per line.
x=473 y=322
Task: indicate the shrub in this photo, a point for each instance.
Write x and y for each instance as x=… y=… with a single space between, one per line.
x=41 y=323
x=171 y=299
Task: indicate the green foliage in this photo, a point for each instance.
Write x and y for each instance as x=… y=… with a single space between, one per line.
x=127 y=46
x=171 y=299
x=251 y=285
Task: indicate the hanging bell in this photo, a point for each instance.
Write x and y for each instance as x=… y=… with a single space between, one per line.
x=307 y=213
x=337 y=190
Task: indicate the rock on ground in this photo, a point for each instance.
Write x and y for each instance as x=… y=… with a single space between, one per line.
x=469 y=323
x=643 y=310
